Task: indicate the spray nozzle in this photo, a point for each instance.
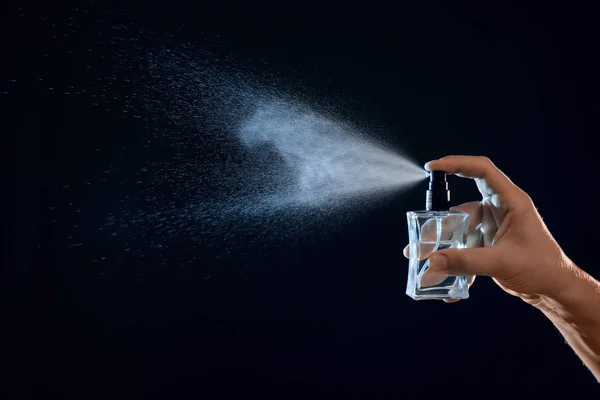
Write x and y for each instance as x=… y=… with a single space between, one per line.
x=438 y=195
x=436 y=177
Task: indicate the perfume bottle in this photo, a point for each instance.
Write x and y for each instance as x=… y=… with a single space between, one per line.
x=433 y=229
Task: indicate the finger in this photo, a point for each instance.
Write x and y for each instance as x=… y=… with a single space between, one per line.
x=476 y=217
x=474 y=239
x=432 y=278
x=429 y=231
x=478 y=168
x=450 y=225
x=478 y=261
x=475 y=211
x=490 y=225
x=406 y=251
x=470 y=281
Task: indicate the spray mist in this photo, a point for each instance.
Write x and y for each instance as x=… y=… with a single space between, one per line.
x=435 y=228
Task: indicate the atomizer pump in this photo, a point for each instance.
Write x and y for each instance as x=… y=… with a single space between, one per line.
x=438 y=195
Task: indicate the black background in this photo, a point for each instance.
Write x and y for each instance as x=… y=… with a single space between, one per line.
x=513 y=81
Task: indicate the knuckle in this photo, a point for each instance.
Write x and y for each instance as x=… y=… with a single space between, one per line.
x=524 y=201
x=486 y=161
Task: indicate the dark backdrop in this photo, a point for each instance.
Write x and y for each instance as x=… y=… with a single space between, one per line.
x=514 y=82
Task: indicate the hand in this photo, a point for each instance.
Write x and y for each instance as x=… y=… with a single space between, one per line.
x=507 y=238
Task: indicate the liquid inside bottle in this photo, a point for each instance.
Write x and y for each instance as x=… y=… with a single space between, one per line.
x=431 y=231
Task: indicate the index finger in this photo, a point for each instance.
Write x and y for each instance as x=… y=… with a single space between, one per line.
x=476 y=167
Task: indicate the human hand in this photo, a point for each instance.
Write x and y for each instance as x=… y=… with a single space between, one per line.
x=507 y=238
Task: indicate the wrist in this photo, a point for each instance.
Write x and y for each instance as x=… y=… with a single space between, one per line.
x=557 y=287
x=574 y=312
x=571 y=299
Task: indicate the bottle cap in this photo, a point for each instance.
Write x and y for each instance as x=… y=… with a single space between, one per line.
x=438 y=195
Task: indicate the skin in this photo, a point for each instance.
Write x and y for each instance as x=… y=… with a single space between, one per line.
x=509 y=242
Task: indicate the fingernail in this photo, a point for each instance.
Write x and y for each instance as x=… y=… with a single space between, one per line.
x=427 y=166
x=439 y=262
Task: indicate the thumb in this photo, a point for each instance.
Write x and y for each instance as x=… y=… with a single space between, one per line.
x=477 y=261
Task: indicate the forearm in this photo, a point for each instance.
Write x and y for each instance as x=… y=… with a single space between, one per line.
x=575 y=313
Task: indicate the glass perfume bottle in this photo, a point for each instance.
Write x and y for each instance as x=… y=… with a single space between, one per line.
x=433 y=229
